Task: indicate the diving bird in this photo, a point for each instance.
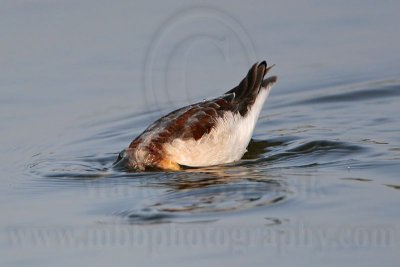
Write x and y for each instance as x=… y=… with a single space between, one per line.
x=206 y=133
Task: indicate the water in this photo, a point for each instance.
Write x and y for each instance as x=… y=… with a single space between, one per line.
x=319 y=184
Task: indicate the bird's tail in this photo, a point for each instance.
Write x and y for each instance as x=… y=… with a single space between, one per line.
x=249 y=88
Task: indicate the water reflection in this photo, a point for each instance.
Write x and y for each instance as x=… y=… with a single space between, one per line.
x=195 y=194
x=208 y=193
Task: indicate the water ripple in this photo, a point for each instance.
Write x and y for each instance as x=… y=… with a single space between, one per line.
x=205 y=195
x=199 y=194
x=359 y=95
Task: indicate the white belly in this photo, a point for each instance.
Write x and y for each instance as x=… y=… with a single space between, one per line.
x=227 y=142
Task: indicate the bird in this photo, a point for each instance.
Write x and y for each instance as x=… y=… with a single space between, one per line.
x=207 y=133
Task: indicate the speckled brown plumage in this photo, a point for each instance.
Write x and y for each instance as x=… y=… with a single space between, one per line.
x=194 y=121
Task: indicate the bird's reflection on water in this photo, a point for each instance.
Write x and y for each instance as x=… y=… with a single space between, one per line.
x=204 y=193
